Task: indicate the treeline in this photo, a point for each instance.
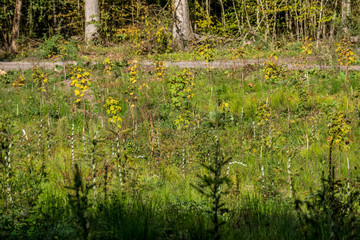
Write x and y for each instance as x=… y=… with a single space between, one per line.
x=260 y=19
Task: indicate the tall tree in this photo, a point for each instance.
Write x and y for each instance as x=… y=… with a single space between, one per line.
x=346 y=11
x=91 y=19
x=16 y=25
x=182 y=31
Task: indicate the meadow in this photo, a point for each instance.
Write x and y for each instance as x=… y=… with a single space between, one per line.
x=115 y=150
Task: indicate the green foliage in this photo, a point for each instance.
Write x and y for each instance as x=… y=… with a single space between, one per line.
x=339 y=129
x=211 y=185
x=179 y=86
x=331 y=209
x=143 y=171
x=5 y=139
x=180 y=89
x=80 y=81
x=40 y=79
x=273 y=72
x=57 y=47
x=345 y=52
x=206 y=52
x=79 y=203
x=113 y=109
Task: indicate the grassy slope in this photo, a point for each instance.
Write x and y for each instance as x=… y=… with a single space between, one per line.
x=157 y=199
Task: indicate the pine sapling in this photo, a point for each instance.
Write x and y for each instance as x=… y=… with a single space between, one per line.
x=210 y=186
x=72 y=147
x=8 y=173
x=93 y=163
x=79 y=203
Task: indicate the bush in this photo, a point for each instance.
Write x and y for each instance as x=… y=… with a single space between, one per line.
x=57 y=47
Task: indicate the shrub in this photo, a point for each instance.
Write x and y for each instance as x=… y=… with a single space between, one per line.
x=59 y=48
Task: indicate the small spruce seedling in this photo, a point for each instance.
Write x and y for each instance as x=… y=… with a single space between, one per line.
x=79 y=202
x=211 y=186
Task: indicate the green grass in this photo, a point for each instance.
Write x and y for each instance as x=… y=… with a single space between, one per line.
x=157 y=201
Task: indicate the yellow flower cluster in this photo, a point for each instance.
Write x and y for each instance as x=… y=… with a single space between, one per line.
x=81 y=82
x=339 y=129
x=62 y=48
x=40 y=79
x=133 y=72
x=131 y=32
x=160 y=34
x=204 y=22
x=60 y=51
x=272 y=70
x=207 y=53
x=163 y=39
x=184 y=120
x=345 y=53
x=188 y=79
x=160 y=70
x=224 y=106
x=307 y=46
x=113 y=110
x=19 y=82
x=108 y=66
x=263 y=112
x=237 y=53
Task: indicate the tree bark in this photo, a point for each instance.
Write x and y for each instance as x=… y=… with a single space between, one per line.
x=207 y=5
x=237 y=16
x=345 y=14
x=297 y=22
x=332 y=27
x=182 y=31
x=274 y=21
x=31 y=24
x=91 y=19
x=54 y=16
x=266 y=16
x=223 y=14
x=16 y=25
x=320 y=24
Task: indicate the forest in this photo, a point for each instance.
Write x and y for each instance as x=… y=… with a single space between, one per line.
x=177 y=119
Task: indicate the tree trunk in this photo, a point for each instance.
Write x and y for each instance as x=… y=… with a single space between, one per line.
x=320 y=24
x=287 y=16
x=258 y=14
x=274 y=20
x=91 y=19
x=54 y=16
x=207 y=6
x=333 y=21
x=16 y=25
x=182 y=31
x=297 y=22
x=31 y=24
x=223 y=14
x=345 y=14
x=237 y=16
x=266 y=17
x=247 y=15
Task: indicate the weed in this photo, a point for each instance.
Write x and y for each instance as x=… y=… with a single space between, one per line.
x=345 y=53
x=80 y=81
x=113 y=109
x=108 y=66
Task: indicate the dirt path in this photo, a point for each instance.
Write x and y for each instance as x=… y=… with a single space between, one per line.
x=27 y=65
x=286 y=62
